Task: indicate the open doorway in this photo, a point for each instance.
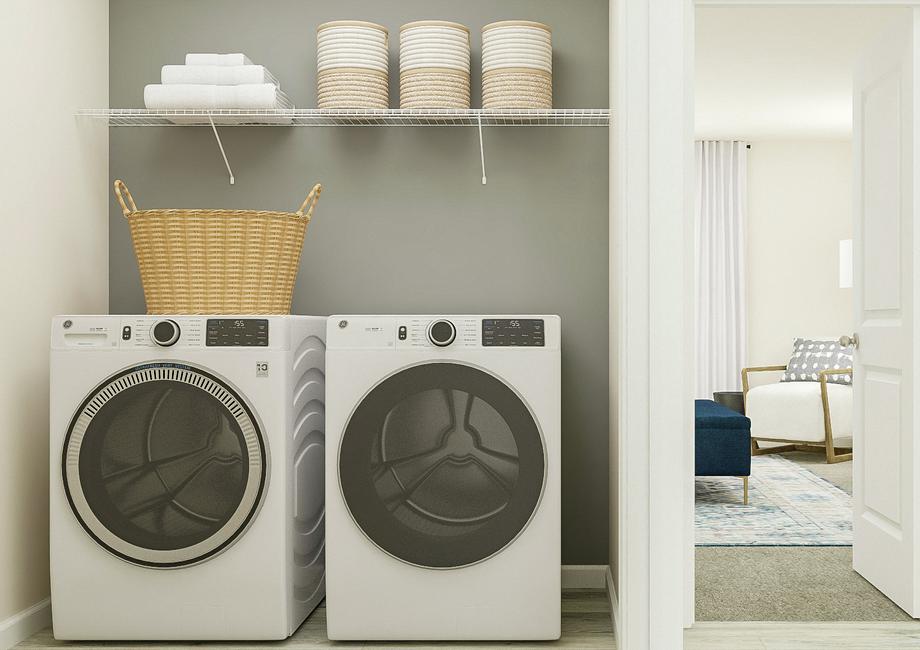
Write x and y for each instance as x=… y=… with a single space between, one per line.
x=774 y=122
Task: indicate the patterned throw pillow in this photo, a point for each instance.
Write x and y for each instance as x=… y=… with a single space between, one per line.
x=811 y=357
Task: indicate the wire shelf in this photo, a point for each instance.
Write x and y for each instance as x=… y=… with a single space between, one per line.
x=318 y=117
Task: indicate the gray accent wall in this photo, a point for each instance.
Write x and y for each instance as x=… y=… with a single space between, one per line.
x=404 y=224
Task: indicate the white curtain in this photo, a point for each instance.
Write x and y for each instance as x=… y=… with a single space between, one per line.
x=721 y=328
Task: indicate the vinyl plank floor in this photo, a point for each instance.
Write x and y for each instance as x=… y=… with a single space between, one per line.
x=585 y=624
x=803 y=636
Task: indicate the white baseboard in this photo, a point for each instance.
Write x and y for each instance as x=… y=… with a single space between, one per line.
x=614 y=603
x=583 y=576
x=21 y=626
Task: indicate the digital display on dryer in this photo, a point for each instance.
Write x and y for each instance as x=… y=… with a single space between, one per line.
x=513 y=332
x=237 y=332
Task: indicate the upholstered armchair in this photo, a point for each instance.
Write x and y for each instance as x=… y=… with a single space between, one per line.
x=800 y=415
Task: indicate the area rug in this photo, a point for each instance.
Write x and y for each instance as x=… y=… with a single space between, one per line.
x=787 y=506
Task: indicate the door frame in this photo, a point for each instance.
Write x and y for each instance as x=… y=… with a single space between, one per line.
x=651 y=148
x=651 y=312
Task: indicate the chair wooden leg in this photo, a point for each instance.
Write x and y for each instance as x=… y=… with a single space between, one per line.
x=757 y=451
x=833 y=457
x=745 y=479
x=832 y=454
x=830 y=450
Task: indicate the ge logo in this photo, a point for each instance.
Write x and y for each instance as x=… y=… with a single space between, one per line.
x=262 y=369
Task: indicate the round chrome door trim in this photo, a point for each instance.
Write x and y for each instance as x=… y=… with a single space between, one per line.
x=257 y=463
x=533 y=417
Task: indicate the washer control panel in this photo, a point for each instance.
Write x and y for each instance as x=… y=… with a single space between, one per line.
x=237 y=332
x=167 y=332
x=513 y=332
x=153 y=331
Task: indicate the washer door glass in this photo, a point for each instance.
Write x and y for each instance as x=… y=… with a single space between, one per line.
x=442 y=465
x=164 y=465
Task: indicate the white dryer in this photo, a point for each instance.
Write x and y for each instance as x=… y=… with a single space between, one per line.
x=443 y=477
x=187 y=458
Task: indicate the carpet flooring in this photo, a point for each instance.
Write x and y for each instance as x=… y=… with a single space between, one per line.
x=806 y=583
x=840 y=474
x=789 y=583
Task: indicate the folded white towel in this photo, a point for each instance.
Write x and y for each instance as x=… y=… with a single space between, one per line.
x=207 y=97
x=237 y=58
x=220 y=75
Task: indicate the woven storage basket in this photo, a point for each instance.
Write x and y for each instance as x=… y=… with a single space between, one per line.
x=352 y=88
x=517 y=88
x=434 y=65
x=434 y=88
x=517 y=64
x=352 y=65
x=217 y=261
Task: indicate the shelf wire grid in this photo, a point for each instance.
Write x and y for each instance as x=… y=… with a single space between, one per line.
x=598 y=117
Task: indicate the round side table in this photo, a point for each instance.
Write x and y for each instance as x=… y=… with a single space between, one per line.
x=733 y=399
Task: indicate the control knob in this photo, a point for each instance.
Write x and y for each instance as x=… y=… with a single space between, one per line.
x=165 y=332
x=442 y=333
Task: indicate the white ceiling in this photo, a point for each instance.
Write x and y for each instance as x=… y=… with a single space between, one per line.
x=780 y=73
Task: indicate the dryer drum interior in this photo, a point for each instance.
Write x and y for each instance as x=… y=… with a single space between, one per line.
x=164 y=465
x=442 y=465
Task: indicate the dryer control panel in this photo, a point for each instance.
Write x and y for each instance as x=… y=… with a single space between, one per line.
x=443 y=332
x=511 y=332
x=446 y=332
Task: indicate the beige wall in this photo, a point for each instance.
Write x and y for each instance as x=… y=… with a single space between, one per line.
x=53 y=252
x=799 y=208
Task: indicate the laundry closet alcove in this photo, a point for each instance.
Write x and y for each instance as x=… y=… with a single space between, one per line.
x=407 y=225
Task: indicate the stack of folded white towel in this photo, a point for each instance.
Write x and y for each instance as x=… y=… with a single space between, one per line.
x=216 y=81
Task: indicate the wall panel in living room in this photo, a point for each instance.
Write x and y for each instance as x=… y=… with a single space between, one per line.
x=799 y=208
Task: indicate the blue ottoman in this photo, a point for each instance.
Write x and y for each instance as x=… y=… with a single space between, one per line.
x=723 y=442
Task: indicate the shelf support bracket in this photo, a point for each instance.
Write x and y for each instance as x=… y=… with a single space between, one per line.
x=482 y=154
x=222 y=152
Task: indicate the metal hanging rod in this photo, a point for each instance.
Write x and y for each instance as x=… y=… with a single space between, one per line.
x=222 y=152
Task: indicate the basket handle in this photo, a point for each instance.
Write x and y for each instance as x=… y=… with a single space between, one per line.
x=130 y=206
x=310 y=201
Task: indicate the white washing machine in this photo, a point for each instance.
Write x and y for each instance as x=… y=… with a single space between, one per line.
x=187 y=459
x=443 y=477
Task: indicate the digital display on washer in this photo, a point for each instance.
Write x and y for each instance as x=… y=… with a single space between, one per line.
x=237 y=332
x=512 y=332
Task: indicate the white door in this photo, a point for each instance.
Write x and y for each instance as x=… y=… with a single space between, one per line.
x=886 y=449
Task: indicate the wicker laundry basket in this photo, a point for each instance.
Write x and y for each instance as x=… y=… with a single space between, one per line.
x=217 y=261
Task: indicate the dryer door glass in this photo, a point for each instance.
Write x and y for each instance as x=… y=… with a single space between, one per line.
x=442 y=465
x=164 y=465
